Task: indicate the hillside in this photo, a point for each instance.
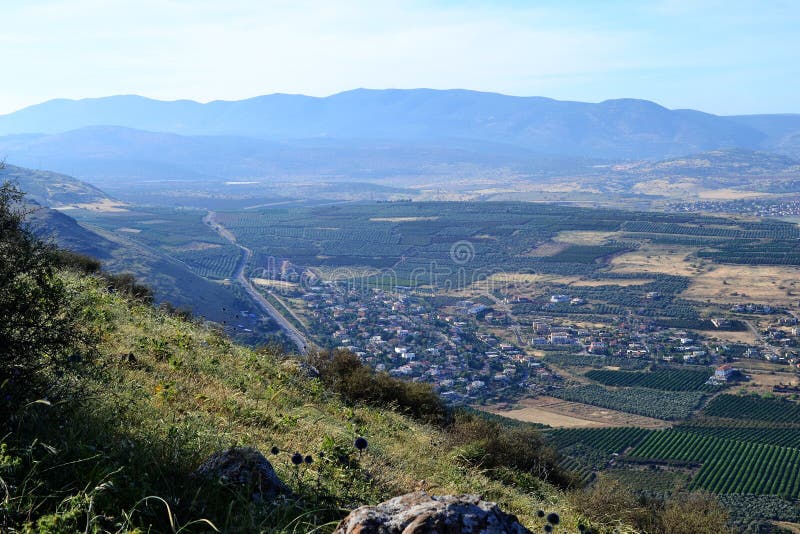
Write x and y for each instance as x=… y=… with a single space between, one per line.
x=181 y=391
x=113 y=156
x=727 y=162
x=52 y=189
x=614 y=129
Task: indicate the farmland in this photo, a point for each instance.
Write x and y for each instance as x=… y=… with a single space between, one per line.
x=672 y=405
x=665 y=379
x=728 y=466
x=754 y=408
x=603 y=324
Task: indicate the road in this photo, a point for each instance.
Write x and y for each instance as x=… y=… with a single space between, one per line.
x=293 y=333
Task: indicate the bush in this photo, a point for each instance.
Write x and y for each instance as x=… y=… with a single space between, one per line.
x=41 y=333
x=492 y=445
x=344 y=373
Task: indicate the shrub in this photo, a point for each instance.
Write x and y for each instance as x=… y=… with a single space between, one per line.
x=344 y=373
x=41 y=334
x=493 y=445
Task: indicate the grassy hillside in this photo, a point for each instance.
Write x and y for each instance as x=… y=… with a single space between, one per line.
x=142 y=423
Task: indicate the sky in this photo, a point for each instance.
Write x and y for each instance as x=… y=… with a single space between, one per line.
x=723 y=57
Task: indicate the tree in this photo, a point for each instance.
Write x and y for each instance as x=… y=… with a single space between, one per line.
x=40 y=334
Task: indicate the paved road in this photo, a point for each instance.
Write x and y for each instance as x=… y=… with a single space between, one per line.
x=293 y=333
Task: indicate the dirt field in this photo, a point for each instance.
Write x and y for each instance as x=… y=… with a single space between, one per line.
x=665 y=259
x=279 y=284
x=566 y=414
x=765 y=284
x=584 y=237
x=197 y=245
x=745 y=336
x=105 y=206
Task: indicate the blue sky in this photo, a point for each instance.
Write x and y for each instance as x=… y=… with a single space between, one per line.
x=725 y=57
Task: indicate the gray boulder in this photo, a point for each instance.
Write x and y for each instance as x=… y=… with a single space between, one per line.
x=243 y=467
x=419 y=513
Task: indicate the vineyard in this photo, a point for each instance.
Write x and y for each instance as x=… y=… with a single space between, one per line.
x=728 y=466
x=754 y=408
x=784 y=437
x=217 y=263
x=664 y=379
x=608 y=440
x=669 y=405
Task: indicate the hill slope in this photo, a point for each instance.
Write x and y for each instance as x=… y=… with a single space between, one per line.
x=51 y=189
x=625 y=128
x=112 y=156
x=182 y=391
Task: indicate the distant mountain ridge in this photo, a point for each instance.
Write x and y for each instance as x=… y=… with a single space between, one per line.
x=614 y=129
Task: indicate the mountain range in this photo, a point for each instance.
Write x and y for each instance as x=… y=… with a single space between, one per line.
x=614 y=129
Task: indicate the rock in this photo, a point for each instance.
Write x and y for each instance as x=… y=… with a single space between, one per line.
x=418 y=513
x=244 y=467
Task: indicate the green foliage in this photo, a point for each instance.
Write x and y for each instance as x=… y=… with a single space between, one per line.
x=669 y=405
x=665 y=379
x=728 y=466
x=587 y=360
x=345 y=374
x=608 y=440
x=754 y=408
x=489 y=444
x=41 y=332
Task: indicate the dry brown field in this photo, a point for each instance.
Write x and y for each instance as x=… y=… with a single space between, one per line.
x=565 y=414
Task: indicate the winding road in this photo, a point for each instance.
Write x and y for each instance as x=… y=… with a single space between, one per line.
x=293 y=333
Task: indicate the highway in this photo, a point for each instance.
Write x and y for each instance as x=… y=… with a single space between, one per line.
x=293 y=333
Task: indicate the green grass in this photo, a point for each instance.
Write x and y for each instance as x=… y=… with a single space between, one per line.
x=138 y=426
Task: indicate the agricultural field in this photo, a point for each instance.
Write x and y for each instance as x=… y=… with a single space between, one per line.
x=560 y=413
x=667 y=405
x=727 y=465
x=754 y=408
x=664 y=379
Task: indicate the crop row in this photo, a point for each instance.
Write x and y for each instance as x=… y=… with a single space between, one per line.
x=784 y=437
x=608 y=440
x=669 y=405
x=666 y=379
x=728 y=466
x=754 y=408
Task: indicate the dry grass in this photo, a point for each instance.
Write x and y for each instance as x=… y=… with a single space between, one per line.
x=657 y=259
x=566 y=414
x=402 y=219
x=585 y=237
x=745 y=336
x=746 y=283
x=105 y=206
